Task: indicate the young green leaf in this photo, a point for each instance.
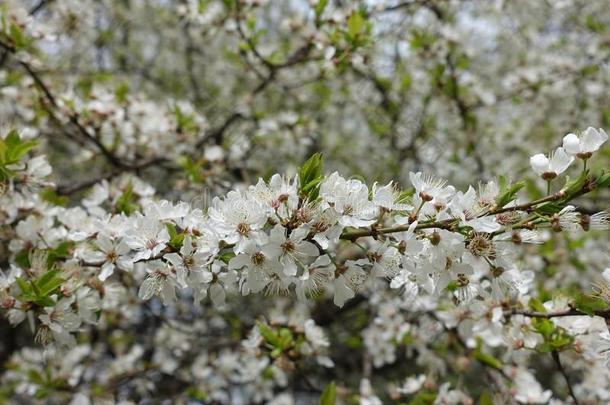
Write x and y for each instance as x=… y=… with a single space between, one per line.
x=320 y=9
x=508 y=192
x=488 y=360
x=310 y=177
x=329 y=395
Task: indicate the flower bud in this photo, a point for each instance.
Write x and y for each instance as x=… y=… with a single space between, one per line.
x=435 y=238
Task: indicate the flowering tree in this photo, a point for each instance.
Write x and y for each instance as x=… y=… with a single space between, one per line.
x=150 y=251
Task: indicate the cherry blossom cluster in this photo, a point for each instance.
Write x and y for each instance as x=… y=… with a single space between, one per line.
x=281 y=236
x=125 y=281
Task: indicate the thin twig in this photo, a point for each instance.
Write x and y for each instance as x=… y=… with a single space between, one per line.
x=563 y=372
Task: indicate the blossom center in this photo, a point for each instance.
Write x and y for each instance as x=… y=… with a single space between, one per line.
x=288 y=246
x=258 y=258
x=243 y=229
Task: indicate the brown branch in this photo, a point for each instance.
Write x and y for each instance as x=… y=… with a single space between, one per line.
x=449 y=224
x=603 y=313
x=217 y=135
x=73 y=117
x=563 y=372
x=68 y=189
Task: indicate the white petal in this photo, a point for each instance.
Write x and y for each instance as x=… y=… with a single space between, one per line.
x=94 y=257
x=122 y=248
x=239 y=261
x=485 y=224
x=539 y=163
x=272 y=250
x=592 y=139
x=104 y=243
x=560 y=161
x=147 y=289
x=124 y=263
x=342 y=292
x=290 y=267
x=175 y=259
x=142 y=255
x=217 y=294
x=168 y=293
x=571 y=143
x=307 y=249
x=107 y=270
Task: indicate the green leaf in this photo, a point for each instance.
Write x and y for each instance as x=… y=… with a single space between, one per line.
x=488 y=359
x=320 y=9
x=49 y=282
x=355 y=24
x=310 y=177
x=268 y=334
x=175 y=239
x=423 y=397
x=186 y=122
x=561 y=340
x=126 y=202
x=61 y=252
x=196 y=393
x=35 y=377
x=44 y=302
x=405 y=82
x=589 y=304
x=192 y=169
x=23 y=258
x=594 y=24
x=275 y=353
x=452 y=286
x=12 y=149
x=121 y=92
x=46 y=277
x=285 y=338
x=603 y=181
x=329 y=395
x=508 y=192
x=357 y=30
x=15 y=148
x=574 y=186
x=549 y=208
x=49 y=195
x=485 y=398
x=543 y=326
x=24 y=286
x=19 y=40
x=227 y=256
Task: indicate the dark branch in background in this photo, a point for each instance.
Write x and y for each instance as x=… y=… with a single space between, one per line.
x=393 y=109
x=39 y=6
x=189 y=56
x=396 y=7
x=68 y=189
x=300 y=55
x=33 y=11
x=563 y=372
x=217 y=134
x=73 y=117
x=467 y=117
x=604 y=313
x=454 y=333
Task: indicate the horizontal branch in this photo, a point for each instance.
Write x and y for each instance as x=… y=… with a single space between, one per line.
x=604 y=313
x=360 y=233
x=449 y=224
